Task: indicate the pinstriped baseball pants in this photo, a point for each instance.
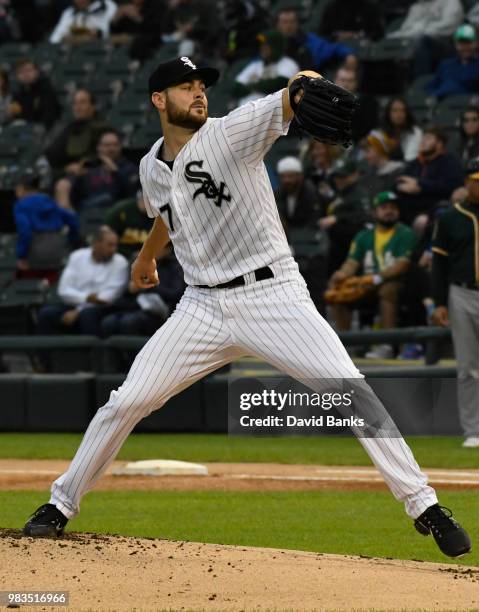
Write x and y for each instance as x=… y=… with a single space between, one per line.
x=275 y=320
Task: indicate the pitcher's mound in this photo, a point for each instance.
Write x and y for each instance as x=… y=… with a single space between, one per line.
x=113 y=572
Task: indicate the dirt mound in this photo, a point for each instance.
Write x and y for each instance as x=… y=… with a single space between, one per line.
x=120 y=573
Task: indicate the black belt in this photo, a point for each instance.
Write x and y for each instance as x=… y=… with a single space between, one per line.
x=473 y=286
x=260 y=274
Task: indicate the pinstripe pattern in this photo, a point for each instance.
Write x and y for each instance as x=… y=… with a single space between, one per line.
x=192 y=343
x=274 y=319
x=217 y=243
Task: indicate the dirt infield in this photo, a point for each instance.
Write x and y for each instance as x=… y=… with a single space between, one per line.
x=119 y=573
x=37 y=475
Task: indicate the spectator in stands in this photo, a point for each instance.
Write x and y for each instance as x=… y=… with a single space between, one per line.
x=427 y=180
x=242 y=20
x=193 y=24
x=138 y=22
x=399 y=123
x=473 y=15
x=430 y=18
x=319 y=162
x=35 y=99
x=84 y=20
x=75 y=143
x=469 y=133
x=5 y=21
x=270 y=72
x=382 y=171
x=458 y=74
x=141 y=313
x=346 y=213
x=297 y=198
x=40 y=225
x=345 y=20
x=5 y=97
x=384 y=254
x=132 y=224
x=106 y=178
x=366 y=116
x=309 y=50
x=93 y=279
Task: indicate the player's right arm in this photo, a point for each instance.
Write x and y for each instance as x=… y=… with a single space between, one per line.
x=143 y=270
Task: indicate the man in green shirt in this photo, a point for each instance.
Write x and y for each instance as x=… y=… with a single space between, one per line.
x=455 y=291
x=383 y=253
x=129 y=220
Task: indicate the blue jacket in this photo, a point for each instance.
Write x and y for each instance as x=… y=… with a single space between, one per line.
x=322 y=51
x=39 y=213
x=454 y=77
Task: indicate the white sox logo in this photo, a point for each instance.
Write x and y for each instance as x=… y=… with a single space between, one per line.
x=187 y=62
x=208 y=186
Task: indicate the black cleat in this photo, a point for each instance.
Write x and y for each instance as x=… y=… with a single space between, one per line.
x=451 y=538
x=47 y=521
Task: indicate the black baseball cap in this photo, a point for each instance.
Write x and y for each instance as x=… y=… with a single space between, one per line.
x=178 y=71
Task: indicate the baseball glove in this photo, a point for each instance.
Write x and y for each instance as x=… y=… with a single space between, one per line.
x=352 y=289
x=324 y=111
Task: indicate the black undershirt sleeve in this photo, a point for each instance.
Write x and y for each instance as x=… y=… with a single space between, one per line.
x=440 y=269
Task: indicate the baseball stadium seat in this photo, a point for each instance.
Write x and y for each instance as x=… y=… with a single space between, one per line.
x=283 y=147
x=90 y=220
x=459 y=102
x=421 y=105
x=144 y=137
x=307 y=242
x=17 y=301
x=446 y=117
x=10 y=52
x=388 y=49
x=419 y=84
x=317 y=13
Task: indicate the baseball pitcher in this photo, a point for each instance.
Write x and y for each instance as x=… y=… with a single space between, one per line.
x=206 y=186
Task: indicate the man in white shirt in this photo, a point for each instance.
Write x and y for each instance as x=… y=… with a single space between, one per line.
x=92 y=280
x=430 y=18
x=85 y=20
x=267 y=73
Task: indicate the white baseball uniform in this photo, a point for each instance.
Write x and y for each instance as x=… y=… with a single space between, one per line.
x=220 y=210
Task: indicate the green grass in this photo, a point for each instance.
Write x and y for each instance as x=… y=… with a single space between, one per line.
x=359 y=523
x=438 y=452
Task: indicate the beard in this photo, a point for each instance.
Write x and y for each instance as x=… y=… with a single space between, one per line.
x=429 y=152
x=388 y=223
x=183 y=118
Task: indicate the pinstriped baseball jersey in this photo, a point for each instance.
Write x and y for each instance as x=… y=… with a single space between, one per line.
x=217 y=202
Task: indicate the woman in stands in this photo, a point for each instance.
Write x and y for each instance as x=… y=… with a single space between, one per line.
x=399 y=123
x=469 y=134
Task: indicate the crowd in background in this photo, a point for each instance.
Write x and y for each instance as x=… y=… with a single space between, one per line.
x=372 y=208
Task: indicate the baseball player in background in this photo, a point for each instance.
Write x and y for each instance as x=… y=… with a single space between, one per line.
x=206 y=185
x=455 y=288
